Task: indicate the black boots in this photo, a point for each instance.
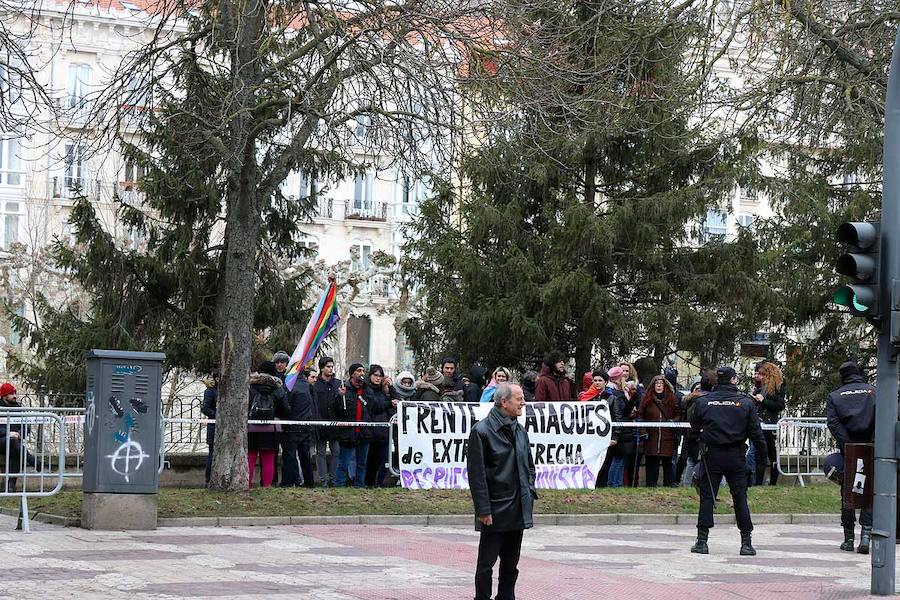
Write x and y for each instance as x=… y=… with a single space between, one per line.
x=700 y=546
x=746 y=546
x=847 y=546
x=865 y=536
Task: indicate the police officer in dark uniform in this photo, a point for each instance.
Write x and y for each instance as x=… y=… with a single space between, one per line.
x=850 y=412
x=727 y=418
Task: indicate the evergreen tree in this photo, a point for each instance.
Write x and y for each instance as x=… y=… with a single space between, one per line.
x=583 y=199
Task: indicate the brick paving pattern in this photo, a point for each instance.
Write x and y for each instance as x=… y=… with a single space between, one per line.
x=358 y=562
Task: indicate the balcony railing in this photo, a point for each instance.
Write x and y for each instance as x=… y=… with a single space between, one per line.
x=95 y=190
x=74 y=187
x=12 y=178
x=381 y=286
x=366 y=210
x=325 y=208
x=74 y=111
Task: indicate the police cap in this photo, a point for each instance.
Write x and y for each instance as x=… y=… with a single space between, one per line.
x=725 y=374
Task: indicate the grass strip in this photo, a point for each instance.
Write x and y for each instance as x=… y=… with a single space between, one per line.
x=193 y=502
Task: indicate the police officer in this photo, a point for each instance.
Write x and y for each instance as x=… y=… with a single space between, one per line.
x=850 y=411
x=727 y=417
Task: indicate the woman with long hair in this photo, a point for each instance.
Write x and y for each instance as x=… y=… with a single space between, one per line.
x=769 y=394
x=659 y=405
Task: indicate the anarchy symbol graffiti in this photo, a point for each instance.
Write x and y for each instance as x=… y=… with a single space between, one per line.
x=127 y=458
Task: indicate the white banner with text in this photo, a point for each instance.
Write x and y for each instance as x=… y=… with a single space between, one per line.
x=568 y=440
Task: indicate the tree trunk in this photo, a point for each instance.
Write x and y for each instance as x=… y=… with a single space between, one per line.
x=229 y=468
x=242 y=223
x=582 y=363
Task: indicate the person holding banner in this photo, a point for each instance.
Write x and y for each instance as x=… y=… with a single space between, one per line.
x=502 y=483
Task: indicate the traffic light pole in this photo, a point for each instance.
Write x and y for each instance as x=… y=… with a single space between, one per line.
x=885 y=506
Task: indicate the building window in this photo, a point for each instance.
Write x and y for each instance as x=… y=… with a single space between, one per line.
x=745 y=220
x=14 y=338
x=77 y=83
x=311 y=245
x=362 y=191
x=414 y=192
x=137 y=93
x=715 y=227
x=133 y=174
x=11 y=79
x=10 y=162
x=363 y=123
x=360 y=257
x=75 y=171
x=11 y=220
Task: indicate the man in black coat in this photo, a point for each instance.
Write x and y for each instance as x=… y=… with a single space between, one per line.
x=850 y=413
x=295 y=439
x=325 y=392
x=501 y=481
x=725 y=419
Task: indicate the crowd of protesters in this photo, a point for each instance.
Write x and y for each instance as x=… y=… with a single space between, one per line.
x=358 y=455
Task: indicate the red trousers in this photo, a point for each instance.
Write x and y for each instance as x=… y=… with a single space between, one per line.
x=266 y=465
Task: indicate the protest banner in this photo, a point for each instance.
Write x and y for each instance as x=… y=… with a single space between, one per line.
x=569 y=441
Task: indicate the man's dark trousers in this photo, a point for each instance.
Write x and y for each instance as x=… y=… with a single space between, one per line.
x=731 y=463
x=295 y=457
x=493 y=544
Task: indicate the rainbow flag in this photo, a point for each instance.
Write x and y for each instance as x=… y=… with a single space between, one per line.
x=321 y=323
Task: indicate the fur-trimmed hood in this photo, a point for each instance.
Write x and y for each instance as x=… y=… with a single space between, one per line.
x=265 y=380
x=424 y=385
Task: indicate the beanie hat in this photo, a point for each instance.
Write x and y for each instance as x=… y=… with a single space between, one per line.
x=354 y=367
x=281 y=356
x=616 y=373
x=268 y=368
x=6 y=389
x=846 y=370
x=530 y=376
x=324 y=361
x=433 y=376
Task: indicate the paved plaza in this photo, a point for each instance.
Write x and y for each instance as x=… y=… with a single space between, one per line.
x=356 y=562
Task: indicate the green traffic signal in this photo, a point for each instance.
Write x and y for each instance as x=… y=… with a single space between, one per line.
x=860 y=263
x=859 y=299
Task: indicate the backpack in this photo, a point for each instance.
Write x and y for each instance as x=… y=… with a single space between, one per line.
x=262 y=406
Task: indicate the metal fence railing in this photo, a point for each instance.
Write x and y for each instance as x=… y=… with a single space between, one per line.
x=34 y=456
x=803 y=443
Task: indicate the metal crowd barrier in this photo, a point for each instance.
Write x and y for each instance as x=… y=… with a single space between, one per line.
x=34 y=456
x=801 y=447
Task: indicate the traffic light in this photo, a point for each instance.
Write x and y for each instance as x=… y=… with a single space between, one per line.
x=862 y=264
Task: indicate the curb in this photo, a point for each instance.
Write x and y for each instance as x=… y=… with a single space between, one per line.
x=44 y=518
x=564 y=520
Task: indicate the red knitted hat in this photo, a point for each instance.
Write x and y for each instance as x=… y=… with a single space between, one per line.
x=6 y=389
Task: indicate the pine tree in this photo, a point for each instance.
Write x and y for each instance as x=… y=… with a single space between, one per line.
x=583 y=197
